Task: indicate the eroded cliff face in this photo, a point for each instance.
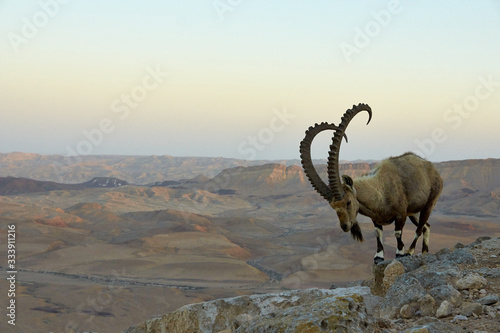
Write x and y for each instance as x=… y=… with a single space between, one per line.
x=476 y=174
x=275 y=178
x=453 y=290
x=471 y=187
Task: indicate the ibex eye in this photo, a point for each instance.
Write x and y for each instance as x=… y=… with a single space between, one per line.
x=348 y=202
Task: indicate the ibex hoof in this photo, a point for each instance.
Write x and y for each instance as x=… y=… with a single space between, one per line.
x=376 y=260
x=402 y=255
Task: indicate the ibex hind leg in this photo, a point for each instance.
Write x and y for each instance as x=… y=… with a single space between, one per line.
x=379 y=233
x=422 y=227
x=413 y=220
x=427 y=233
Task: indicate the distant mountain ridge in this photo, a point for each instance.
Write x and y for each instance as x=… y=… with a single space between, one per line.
x=471 y=187
x=133 y=169
x=14 y=185
x=18 y=185
x=105 y=182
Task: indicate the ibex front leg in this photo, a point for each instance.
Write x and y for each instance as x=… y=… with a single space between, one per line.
x=379 y=233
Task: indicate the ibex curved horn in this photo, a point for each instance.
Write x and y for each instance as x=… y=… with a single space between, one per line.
x=305 y=156
x=333 y=155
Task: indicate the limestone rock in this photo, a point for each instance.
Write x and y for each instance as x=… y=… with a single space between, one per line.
x=458 y=318
x=444 y=309
x=469 y=309
x=471 y=281
x=427 y=305
x=489 y=272
x=406 y=291
x=462 y=256
x=435 y=327
x=491 y=312
x=411 y=263
x=407 y=311
x=445 y=293
x=391 y=272
x=441 y=273
x=492 y=244
x=377 y=284
x=489 y=300
x=340 y=309
x=417 y=330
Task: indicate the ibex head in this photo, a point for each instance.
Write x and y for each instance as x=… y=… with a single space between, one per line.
x=341 y=196
x=344 y=200
x=347 y=209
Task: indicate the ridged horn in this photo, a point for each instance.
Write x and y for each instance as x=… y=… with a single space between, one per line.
x=305 y=157
x=333 y=156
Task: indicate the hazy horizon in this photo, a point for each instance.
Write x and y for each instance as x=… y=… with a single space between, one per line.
x=342 y=160
x=244 y=80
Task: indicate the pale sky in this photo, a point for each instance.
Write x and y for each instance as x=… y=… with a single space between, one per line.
x=244 y=79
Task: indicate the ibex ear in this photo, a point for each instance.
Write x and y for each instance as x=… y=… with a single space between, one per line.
x=348 y=181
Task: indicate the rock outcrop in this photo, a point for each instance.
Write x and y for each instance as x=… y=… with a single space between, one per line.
x=310 y=310
x=451 y=291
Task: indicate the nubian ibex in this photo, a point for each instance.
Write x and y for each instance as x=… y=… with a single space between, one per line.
x=397 y=188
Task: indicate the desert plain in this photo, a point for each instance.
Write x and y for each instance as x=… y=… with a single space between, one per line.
x=105 y=242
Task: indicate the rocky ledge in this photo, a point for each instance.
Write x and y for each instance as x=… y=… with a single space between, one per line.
x=454 y=290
